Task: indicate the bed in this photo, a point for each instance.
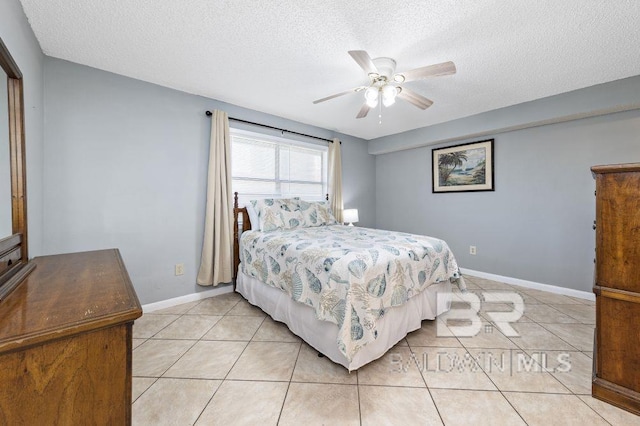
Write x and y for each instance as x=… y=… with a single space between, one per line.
x=352 y=293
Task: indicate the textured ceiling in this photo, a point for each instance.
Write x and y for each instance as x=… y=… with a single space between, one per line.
x=278 y=57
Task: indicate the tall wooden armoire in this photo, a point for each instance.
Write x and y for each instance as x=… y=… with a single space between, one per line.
x=616 y=375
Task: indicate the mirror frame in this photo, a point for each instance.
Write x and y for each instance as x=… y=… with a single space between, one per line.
x=14 y=254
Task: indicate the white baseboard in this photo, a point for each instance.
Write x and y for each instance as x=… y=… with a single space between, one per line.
x=531 y=284
x=216 y=291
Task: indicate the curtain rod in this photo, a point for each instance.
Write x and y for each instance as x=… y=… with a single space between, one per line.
x=209 y=113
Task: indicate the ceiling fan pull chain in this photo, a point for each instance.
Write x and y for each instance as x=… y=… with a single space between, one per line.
x=380 y=114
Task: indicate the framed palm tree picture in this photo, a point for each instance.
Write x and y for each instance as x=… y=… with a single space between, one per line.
x=463 y=168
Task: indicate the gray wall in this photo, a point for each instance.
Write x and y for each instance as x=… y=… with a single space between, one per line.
x=19 y=38
x=126 y=167
x=537 y=224
x=607 y=98
x=358 y=179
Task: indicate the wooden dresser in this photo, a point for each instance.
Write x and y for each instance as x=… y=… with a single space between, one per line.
x=616 y=376
x=65 y=342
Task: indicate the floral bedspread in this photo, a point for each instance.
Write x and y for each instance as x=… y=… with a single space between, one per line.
x=349 y=275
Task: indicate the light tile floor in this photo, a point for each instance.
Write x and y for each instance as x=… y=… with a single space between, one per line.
x=223 y=361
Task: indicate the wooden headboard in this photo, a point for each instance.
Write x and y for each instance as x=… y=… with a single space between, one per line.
x=246 y=226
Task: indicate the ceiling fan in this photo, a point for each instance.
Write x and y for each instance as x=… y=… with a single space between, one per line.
x=385 y=83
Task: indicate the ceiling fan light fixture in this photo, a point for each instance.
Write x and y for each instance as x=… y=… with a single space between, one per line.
x=371 y=96
x=385 y=85
x=389 y=94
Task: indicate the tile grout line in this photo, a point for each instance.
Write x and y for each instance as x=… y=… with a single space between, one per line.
x=594 y=410
x=512 y=406
x=564 y=340
x=243 y=350
x=155 y=379
x=197 y=338
x=549 y=331
x=167 y=325
x=284 y=400
x=553 y=306
x=173 y=363
x=425 y=383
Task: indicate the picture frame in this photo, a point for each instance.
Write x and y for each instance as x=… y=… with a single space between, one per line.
x=463 y=168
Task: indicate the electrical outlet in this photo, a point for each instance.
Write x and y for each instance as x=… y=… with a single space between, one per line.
x=472 y=250
x=179 y=269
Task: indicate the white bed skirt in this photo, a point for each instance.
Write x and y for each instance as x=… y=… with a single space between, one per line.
x=323 y=335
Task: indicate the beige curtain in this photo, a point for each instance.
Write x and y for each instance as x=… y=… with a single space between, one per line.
x=217 y=249
x=335 y=179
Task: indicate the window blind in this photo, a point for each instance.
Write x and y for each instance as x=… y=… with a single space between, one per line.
x=265 y=167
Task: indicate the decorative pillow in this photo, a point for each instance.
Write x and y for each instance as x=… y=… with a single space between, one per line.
x=317 y=213
x=309 y=214
x=289 y=204
x=277 y=213
x=258 y=208
x=291 y=219
x=325 y=214
x=253 y=217
x=270 y=219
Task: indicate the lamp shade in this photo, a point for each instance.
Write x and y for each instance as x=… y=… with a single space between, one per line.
x=389 y=93
x=371 y=96
x=350 y=215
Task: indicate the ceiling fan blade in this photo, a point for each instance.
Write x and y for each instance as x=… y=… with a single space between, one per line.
x=346 y=92
x=364 y=60
x=363 y=111
x=445 y=68
x=415 y=99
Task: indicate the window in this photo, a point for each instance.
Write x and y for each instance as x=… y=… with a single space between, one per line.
x=266 y=166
